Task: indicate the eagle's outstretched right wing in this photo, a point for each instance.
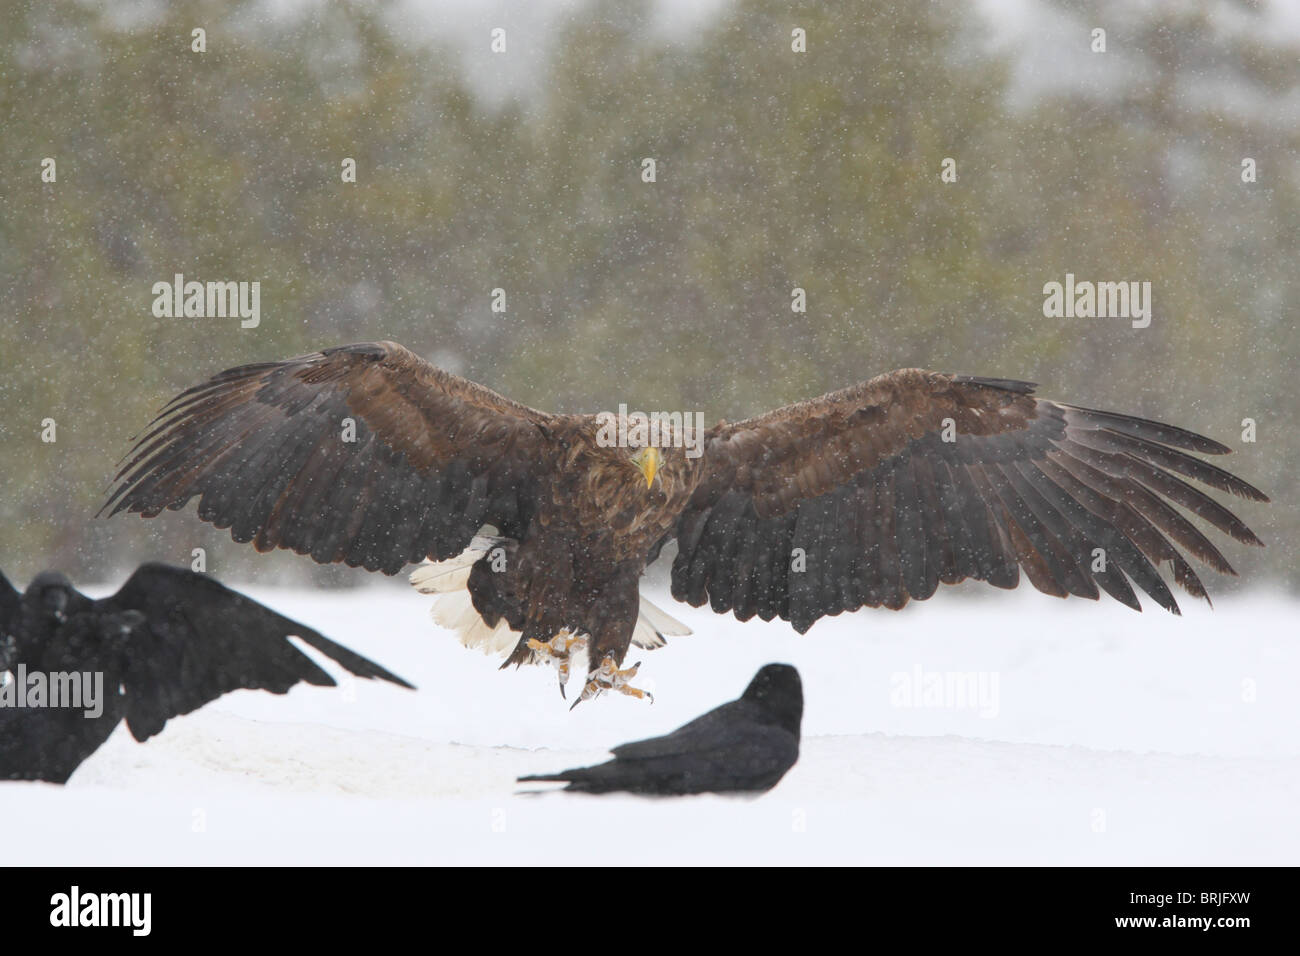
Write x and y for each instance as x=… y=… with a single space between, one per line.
x=363 y=454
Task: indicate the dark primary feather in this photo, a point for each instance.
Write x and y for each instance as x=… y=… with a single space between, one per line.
x=884 y=509
x=745 y=745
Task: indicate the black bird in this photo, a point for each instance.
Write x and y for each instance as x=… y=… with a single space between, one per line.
x=167 y=643
x=745 y=745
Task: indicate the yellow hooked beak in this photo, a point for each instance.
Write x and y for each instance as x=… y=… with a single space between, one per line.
x=648 y=461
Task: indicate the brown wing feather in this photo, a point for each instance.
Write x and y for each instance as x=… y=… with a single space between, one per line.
x=262 y=447
x=885 y=510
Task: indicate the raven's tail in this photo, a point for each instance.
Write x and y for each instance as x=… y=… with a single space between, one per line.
x=546 y=778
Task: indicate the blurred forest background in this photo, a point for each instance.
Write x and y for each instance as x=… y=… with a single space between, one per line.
x=775 y=169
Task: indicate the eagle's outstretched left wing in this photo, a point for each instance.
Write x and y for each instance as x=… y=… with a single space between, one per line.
x=877 y=493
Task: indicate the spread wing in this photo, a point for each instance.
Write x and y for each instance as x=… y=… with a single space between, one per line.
x=915 y=478
x=364 y=454
x=203 y=640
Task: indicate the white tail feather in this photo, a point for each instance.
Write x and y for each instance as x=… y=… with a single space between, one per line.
x=661 y=620
x=454 y=609
x=456 y=612
x=442 y=577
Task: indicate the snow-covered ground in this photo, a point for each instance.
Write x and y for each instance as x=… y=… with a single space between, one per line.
x=1091 y=734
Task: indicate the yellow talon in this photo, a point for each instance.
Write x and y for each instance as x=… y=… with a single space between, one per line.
x=608 y=677
x=557 y=651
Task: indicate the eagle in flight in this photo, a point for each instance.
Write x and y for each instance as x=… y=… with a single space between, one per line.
x=534 y=528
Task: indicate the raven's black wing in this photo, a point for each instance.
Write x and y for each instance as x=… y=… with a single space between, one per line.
x=722 y=751
x=699 y=735
x=204 y=640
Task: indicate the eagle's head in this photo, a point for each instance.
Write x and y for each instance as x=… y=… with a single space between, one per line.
x=648 y=461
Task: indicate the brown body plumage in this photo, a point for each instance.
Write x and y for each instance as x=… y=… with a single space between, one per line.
x=577 y=565
x=886 y=489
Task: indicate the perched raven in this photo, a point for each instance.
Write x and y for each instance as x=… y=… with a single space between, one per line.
x=745 y=745
x=167 y=643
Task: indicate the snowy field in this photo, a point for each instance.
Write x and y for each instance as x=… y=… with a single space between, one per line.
x=1096 y=736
